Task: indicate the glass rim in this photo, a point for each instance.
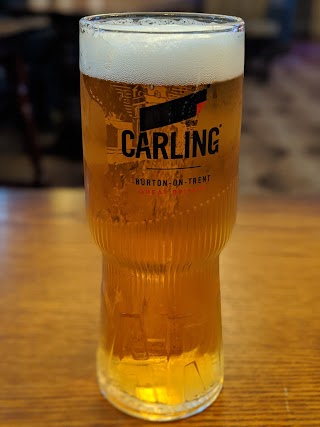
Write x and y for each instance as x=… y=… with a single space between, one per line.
x=212 y=23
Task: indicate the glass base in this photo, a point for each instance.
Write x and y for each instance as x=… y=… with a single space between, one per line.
x=158 y=411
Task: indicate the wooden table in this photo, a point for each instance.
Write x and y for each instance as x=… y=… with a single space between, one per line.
x=49 y=304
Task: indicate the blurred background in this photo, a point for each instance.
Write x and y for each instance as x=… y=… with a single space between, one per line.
x=40 y=127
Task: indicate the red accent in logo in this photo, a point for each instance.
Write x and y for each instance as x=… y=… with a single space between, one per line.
x=200 y=106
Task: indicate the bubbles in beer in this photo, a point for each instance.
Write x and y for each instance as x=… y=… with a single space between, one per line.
x=152 y=21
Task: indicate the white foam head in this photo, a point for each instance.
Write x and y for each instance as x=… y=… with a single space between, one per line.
x=162 y=51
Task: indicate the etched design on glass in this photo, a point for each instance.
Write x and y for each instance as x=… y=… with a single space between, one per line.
x=193 y=383
x=175 y=334
x=132 y=340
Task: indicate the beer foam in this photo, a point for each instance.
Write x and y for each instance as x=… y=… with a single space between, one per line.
x=162 y=51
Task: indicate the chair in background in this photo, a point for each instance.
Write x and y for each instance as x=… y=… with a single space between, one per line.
x=269 y=37
x=14 y=36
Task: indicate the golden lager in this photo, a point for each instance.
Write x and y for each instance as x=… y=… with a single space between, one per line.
x=161 y=115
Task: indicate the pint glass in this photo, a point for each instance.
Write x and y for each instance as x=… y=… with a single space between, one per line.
x=161 y=98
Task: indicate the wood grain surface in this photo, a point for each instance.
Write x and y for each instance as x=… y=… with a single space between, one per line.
x=49 y=304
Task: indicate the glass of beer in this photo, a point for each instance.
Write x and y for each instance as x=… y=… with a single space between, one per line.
x=161 y=98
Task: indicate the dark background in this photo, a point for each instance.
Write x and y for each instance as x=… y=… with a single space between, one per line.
x=40 y=128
